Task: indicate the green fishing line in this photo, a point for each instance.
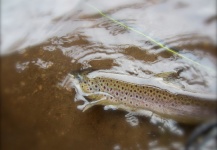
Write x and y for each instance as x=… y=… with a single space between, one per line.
x=151 y=39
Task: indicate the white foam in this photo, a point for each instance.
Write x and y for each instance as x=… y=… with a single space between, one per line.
x=131 y=119
x=43 y=64
x=162 y=123
x=117 y=147
x=21 y=66
x=168 y=124
x=112 y=107
x=152 y=143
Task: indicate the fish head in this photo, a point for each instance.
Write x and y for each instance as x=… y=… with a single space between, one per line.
x=81 y=79
x=76 y=76
x=81 y=75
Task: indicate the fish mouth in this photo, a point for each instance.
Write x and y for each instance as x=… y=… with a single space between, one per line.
x=76 y=75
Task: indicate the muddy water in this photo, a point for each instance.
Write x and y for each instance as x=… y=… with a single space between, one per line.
x=37 y=112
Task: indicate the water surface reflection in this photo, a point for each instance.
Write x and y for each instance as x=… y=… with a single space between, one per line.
x=39 y=113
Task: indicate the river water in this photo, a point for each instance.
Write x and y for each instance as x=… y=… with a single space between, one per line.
x=43 y=41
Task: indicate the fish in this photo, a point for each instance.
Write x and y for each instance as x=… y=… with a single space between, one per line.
x=133 y=97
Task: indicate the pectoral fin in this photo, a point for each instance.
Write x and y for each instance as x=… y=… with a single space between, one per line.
x=97 y=99
x=91 y=104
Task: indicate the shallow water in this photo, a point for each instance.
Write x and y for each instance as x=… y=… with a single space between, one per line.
x=39 y=113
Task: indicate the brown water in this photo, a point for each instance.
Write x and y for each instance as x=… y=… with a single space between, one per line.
x=38 y=113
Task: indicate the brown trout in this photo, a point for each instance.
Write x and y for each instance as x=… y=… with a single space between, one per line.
x=134 y=98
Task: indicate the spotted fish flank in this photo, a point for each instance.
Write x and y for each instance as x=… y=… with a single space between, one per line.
x=133 y=98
